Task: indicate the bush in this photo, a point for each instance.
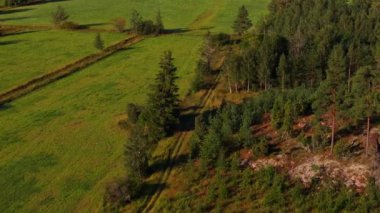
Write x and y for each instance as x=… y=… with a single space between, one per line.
x=119 y=193
x=341 y=149
x=59 y=16
x=119 y=24
x=221 y=39
x=260 y=147
x=133 y=112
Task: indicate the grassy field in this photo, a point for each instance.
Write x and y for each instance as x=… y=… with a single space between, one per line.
x=33 y=53
x=177 y=14
x=61 y=144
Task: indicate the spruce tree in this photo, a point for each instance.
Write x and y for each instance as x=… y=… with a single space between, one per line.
x=277 y=113
x=242 y=22
x=162 y=112
x=365 y=95
x=98 y=43
x=159 y=25
x=330 y=93
x=136 y=21
x=288 y=119
x=282 y=72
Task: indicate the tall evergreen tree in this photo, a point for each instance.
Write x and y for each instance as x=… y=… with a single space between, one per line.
x=282 y=71
x=242 y=22
x=365 y=96
x=159 y=24
x=162 y=110
x=136 y=21
x=330 y=94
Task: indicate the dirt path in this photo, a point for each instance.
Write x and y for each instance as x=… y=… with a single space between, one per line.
x=206 y=17
x=182 y=138
x=69 y=69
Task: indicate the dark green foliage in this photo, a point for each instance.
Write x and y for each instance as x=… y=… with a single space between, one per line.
x=98 y=43
x=331 y=93
x=133 y=112
x=260 y=147
x=204 y=64
x=277 y=112
x=162 y=111
x=242 y=22
x=365 y=97
x=341 y=149
x=136 y=155
x=146 y=27
x=159 y=25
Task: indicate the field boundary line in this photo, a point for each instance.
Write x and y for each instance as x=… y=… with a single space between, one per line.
x=69 y=69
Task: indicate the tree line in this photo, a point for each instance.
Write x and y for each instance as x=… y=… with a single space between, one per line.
x=331 y=46
x=147 y=124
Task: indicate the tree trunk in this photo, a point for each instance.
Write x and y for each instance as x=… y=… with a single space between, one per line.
x=283 y=82
x=248 y=86
x=333 y=131
x=349 y=77
x=368 y=132
x=236 y=88
x=229 y=84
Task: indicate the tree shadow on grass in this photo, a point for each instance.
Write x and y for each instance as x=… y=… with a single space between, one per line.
x=4 y=107
x=88 y=26
x=14 y=18
x=149 y=189
x=19 y=33
x=11 y=11
x=10 y=42
x=162 y=165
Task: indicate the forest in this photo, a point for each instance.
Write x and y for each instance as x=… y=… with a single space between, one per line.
x=318 y=60
x=201 y=106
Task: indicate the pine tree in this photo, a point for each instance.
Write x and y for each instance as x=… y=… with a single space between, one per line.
x=159 y=24
x=242 y=22
x=136 y=21
x=98 y=43
x=282 y=71
x=288 y=119
x=364 y=92
x=277 y=113
x=162 y=110
x=331 y=91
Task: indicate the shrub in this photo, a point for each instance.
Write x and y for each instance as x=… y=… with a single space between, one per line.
x=119 y=193
x=260 y=147
x=59 y=16
x=133 y=112
x=341 y=149
x=119 y=24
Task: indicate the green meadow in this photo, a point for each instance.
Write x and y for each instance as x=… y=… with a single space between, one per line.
x=32 y=53
x=60 y=144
